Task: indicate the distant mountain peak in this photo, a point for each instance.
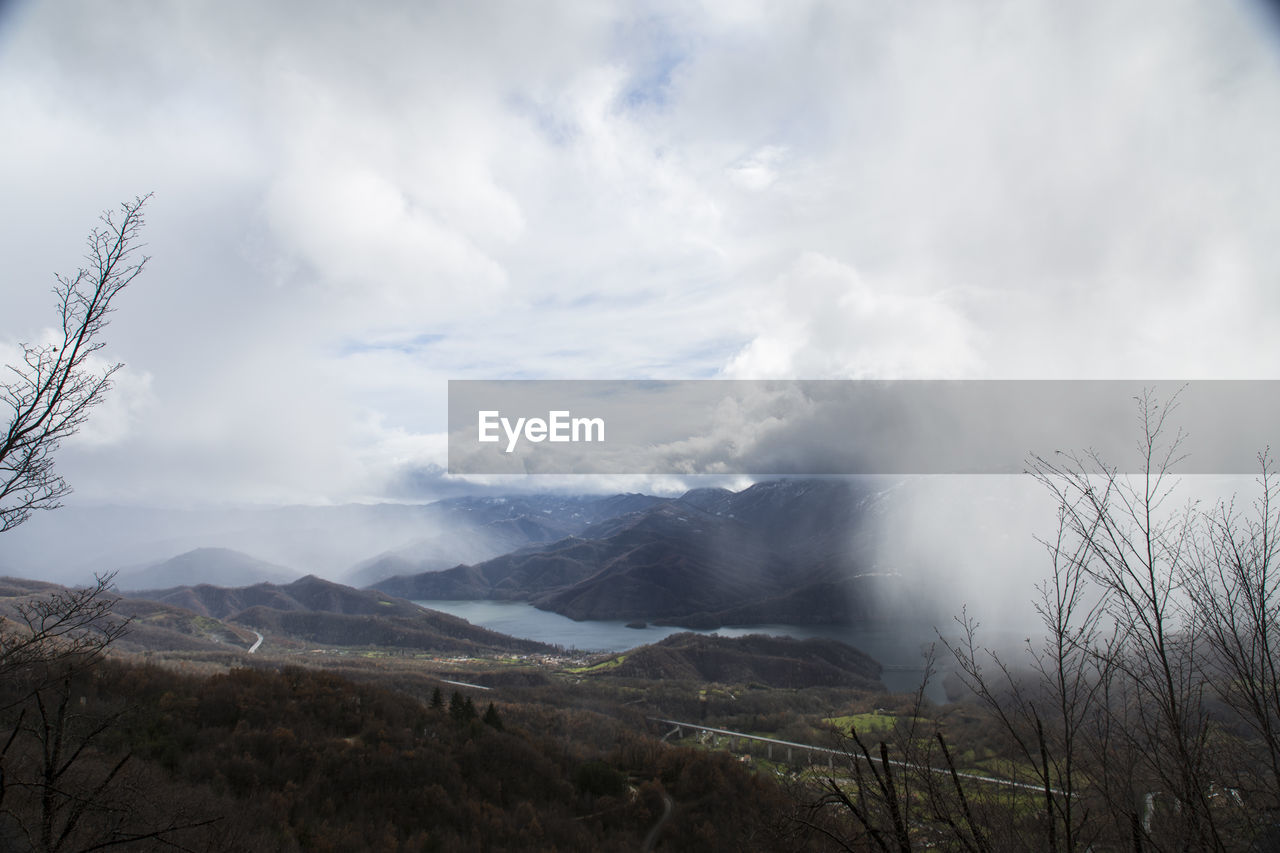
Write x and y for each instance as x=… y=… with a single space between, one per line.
x=214 y=566
x=788 y=551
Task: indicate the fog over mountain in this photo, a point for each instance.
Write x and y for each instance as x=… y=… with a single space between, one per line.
x=337 y=542
x=73 y=543
x=782 y=551
x=788 y=551
x=217 y=566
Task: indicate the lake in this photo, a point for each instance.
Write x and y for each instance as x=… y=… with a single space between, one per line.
x=899 y=648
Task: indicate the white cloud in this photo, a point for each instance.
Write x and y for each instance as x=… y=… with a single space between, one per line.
x=759 y=170
x=117 y=414
x=385 y=260
x=822 y=320
x=355 y=205
x=127 y=405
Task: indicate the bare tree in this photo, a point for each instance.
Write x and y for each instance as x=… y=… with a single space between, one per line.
x=892 y=791
x=68 y=624
x=1234 y=589
x=1152 y=612
x=60 y=789
x=54 y=639
x=1148 y=717
x=51 y=393
x=1138 y=549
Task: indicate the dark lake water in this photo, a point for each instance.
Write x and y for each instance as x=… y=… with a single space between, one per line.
x=899 y=647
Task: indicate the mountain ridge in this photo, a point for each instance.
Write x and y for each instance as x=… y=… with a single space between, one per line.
x=758 y=659
x=321 y=611
x=794 y=551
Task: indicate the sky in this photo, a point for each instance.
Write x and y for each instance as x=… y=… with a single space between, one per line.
x=354 y=204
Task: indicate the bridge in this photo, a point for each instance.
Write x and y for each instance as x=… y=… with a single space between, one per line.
x=810 y=751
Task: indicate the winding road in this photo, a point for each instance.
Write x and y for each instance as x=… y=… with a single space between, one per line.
x=652 y=838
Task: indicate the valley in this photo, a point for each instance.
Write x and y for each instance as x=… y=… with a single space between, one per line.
x=292 y=693
x=700 y=667
x=221 y=662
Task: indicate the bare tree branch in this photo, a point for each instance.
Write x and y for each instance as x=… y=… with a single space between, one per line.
x=52 y=391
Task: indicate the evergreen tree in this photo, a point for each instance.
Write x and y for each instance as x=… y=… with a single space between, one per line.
x=491 y=717
x=457 y=708
x=437 y=699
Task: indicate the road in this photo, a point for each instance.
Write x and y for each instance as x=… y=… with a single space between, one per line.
x=254 y=647
x=652 y=838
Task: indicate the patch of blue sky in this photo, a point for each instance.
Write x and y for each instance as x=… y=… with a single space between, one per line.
x=553 y=127
x=650 y=87
x=408 y=346
x=612 y=300
x=653 y=51
x=707 y=360
x=703 y=363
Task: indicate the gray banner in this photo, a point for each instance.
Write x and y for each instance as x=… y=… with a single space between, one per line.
x=811 y=428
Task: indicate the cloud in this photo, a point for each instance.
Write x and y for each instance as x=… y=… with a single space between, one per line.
x=386 y=260
x=354 y=206
x=117 y=414
x=823 y=320
x=1061 y=186
x=122 y=409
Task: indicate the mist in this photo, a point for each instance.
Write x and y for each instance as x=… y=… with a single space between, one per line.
x=73 y=544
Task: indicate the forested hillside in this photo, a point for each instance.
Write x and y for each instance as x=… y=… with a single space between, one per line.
x=302 y=760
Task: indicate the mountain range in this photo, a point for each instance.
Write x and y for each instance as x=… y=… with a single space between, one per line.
x=781 y=551
x=309 y=611
x=342 y=543
x=315 y=610
x=473 y=529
